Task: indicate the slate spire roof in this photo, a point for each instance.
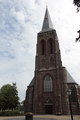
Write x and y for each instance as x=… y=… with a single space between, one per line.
x=47 y=23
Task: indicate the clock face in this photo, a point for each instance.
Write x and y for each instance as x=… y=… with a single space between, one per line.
x=46 y=34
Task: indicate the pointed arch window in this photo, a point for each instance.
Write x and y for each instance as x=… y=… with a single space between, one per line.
x=43 y=63
x=47 y=84
x=51 y=62
x=72 y=95
x=43 y=47
x=30 y=96
x=51 y=46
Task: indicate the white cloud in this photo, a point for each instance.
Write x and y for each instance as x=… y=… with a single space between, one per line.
x=18 y=15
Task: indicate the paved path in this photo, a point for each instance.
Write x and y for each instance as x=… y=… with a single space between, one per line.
x=43 y=117
x=33 y=118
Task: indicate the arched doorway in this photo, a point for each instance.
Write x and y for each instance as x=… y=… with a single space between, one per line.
x=48 y=106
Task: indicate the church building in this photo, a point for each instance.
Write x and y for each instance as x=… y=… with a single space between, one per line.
x=47 y=92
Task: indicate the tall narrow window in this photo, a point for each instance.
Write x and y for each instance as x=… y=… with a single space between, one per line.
x=30 y=96
x=51 y=62
x=51 y=46
x=72 y=95
x=43 y=63
x=43 y=47
x=47 y=84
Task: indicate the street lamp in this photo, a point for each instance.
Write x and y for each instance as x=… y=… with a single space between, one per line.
x=69 y=93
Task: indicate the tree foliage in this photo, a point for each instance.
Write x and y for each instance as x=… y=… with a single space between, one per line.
x=21 y=106
x=8 y=96
x=77 y=3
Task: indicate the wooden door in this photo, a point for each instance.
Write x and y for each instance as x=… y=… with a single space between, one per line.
x=48 y=109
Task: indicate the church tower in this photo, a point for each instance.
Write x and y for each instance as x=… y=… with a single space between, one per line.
x=46 y=94
x=47 y=85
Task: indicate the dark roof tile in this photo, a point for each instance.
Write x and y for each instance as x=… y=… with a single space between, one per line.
x=69 y=78
x=32 y=82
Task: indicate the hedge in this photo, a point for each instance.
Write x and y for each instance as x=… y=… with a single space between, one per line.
x=10 y=113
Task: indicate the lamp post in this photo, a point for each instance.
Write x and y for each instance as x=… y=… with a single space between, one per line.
x=69 y=93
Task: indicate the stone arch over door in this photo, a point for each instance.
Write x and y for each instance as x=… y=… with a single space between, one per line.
x=48 y=106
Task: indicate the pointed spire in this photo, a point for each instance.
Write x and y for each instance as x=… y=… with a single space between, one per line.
x=47 y=24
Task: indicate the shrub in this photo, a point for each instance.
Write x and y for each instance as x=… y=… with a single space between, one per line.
x=10 y=113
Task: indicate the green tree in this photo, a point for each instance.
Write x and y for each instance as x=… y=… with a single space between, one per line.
x=8 y=96
x=15 y=95
x=77 y=3
x=21 y=106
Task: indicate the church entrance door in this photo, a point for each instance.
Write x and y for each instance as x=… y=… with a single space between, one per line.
x=48 y=106
x=48 y=109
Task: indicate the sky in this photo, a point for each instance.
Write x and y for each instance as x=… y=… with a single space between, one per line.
x=20 y=21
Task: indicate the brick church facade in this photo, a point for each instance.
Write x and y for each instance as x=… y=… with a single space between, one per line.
x=46 y=93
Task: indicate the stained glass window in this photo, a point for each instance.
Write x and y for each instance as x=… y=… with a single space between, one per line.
x=47 y=84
